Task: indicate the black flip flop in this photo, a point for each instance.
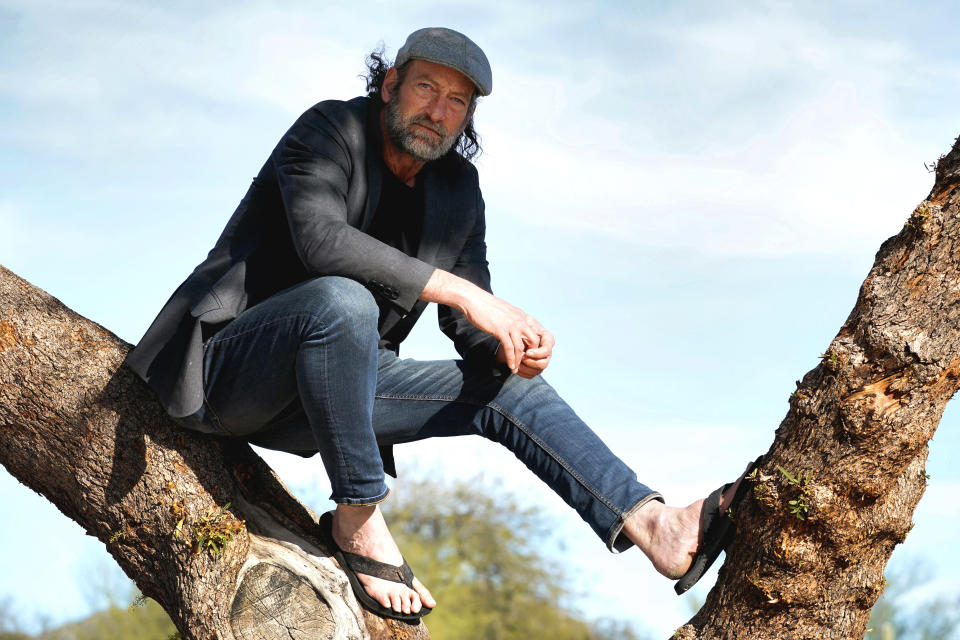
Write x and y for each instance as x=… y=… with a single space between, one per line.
x=719 y=531
x=352 y=564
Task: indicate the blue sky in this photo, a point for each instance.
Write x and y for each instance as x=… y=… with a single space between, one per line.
x=687 y=194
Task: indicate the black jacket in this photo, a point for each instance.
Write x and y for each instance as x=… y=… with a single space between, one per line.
x=304 y=216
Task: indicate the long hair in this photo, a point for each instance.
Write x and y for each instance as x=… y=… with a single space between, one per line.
x=468 y=142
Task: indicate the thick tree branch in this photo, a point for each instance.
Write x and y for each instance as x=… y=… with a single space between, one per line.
x=82 y=430
x=855 y=443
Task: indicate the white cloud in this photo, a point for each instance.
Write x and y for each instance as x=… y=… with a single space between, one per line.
x=787 y=140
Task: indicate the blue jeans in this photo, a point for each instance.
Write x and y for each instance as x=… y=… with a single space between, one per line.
x=302 y=372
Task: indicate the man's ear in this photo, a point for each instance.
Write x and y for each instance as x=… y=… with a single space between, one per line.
x=389 y=84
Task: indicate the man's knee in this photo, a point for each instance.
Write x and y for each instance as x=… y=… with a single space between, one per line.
x=338 y=298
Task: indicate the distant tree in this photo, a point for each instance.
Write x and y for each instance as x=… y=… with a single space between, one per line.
x=906 y=610
x=10 y=626
x=141 y=620
x=487 y=561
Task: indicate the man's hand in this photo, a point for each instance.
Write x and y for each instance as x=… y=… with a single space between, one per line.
x=534 y=359
x=525 y=346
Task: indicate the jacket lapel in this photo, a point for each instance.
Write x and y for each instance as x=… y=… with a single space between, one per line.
x=373 y=163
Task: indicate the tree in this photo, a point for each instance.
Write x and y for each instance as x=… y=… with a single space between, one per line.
x=836 y=491
x=486 y=556
x=832 y=497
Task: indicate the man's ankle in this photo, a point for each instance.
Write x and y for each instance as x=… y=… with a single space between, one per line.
x=642 y=524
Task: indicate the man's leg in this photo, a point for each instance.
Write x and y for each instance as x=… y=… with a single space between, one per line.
x=304 y=362
x=422 y=399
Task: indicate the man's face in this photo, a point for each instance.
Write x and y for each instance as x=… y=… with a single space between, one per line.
x=428 y=110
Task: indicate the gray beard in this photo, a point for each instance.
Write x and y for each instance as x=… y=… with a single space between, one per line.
x=423 y=147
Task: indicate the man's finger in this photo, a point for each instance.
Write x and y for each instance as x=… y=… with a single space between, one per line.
x=539 y=364
x=545 y=348
x=509 y=353
x=526 y=372
x=547 y=340
x=517 y=343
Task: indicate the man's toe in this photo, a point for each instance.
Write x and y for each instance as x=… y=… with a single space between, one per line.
x=426 y=598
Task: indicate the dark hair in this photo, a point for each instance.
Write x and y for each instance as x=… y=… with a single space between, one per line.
x=468 y=142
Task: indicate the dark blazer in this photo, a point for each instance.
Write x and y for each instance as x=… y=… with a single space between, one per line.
x=304 y=216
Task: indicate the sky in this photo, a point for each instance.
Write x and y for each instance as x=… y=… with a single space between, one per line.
x=688 y=195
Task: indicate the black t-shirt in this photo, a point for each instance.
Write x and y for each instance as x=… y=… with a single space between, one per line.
x=398 y=222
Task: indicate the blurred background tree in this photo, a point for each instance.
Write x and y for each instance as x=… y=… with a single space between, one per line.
x=908 y=611
x=494 y=565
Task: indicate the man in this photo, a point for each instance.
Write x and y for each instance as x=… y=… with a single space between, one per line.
x=287 y=334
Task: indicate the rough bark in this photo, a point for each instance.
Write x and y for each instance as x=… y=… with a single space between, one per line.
x=854 y=442
x=78 y=427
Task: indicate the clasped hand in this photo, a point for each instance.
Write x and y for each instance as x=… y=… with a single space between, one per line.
x=525 y=346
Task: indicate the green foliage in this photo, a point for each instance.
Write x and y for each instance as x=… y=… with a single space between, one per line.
x=148 y=621
x=801 y=504
x=484 y=559
x=214 y=530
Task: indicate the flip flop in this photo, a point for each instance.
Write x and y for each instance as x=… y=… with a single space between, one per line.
x=352 y=564
x=719 y=531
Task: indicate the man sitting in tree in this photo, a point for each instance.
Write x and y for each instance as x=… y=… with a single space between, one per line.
x=288 y=333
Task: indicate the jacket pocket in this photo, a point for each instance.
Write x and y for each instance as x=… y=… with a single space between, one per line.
x=209 y=301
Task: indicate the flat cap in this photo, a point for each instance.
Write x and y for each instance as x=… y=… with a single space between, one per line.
x=451 y=49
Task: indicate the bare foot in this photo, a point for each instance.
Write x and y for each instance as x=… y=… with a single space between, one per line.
x=362 y=530
x=670 y=536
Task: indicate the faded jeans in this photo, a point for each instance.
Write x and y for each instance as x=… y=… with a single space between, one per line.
x=302 y=372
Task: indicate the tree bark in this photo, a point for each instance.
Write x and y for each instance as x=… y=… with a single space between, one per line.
x=80 y=428
x=833 y=496
x=836 y=491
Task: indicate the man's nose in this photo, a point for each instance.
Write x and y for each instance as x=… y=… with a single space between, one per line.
x=437 y=108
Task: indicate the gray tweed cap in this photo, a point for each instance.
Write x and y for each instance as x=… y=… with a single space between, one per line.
x=451 y=49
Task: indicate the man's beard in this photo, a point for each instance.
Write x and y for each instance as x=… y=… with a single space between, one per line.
x=419 y=144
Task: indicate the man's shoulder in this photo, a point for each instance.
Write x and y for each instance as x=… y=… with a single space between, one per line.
x=346 y=119
x=355 y=109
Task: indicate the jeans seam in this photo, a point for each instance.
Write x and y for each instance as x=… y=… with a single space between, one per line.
x=330 y=410
x=523 y=428
x=214 y=339
x=206 y=403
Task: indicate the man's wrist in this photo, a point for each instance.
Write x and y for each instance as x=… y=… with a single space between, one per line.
x=445 y=288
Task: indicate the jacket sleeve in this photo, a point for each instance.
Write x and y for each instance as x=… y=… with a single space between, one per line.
x=470 y=342
x=316 y=164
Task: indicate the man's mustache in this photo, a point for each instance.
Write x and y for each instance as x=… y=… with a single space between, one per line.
x=424 y=121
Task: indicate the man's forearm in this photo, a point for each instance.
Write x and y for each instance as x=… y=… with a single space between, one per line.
x=515 y=330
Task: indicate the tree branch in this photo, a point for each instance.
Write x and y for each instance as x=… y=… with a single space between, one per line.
x=80 y=428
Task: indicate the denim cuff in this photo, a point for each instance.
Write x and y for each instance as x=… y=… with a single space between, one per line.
x=616 y=541
x=363 y=502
